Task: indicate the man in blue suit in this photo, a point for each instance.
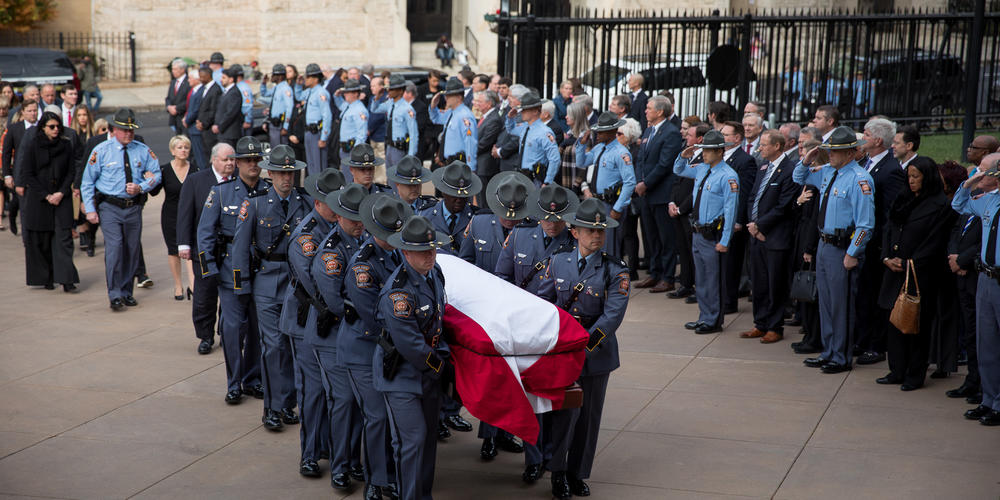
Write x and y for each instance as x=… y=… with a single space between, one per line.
x=188 y=121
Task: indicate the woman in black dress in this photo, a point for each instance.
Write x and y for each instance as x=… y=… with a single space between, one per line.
x=47 y=173
x=174 y=174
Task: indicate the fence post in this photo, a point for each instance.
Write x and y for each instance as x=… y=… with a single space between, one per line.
x=529 y=59
x=131 y=48
x=61 y=44
x=743 y=92
x=972 y=70
x=713 y=43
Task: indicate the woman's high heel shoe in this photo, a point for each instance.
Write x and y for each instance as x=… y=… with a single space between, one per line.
x=179 y=297
x=189 y=293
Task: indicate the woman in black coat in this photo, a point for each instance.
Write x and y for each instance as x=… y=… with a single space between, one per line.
x=919 y=226
x=47 y=171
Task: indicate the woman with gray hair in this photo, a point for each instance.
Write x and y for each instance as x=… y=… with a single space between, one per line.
x=576 y=120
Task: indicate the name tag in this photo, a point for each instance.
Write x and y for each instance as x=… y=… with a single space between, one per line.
x=559 y=280
x=425 y=308
x=521 y=255
x=232 y=207
x=481 y=242
x=110 y=163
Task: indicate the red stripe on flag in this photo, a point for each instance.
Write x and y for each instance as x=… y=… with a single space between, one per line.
x=552 y=374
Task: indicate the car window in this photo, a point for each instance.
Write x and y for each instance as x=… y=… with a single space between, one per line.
x=674 y=78
x=10 y=65
x=49 y=66
x=603 y=76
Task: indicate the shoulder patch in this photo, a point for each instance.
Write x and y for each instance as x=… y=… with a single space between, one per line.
x=363 y=276
x=151 y=153
x=363 y=116
x=93 y=158
x=466 y=122
x=627 y=159
x=331 y=266
x=401 y=307
x=551 y=137
x=865 y=187
x=243 y=209
x=308 y=245
x=288 y=93
x=210 y=200
x=410 y=112
x=322 y=97
x=734 y=186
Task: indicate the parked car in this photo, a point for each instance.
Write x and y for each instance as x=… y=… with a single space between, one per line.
x=23 y=66
x=922 y=86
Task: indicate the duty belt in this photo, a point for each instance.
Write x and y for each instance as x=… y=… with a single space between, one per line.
x=402 y=144
x=459 y=156
x=712 y=230
x=347 y=146
x=838 y=239
x=117 y=201
x=274 y=257
x=987 y=270
x=314 y=128
x=537 y=171
x=277 y=120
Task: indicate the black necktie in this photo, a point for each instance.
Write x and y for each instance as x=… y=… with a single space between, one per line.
x=826 y=198
x=582 y=264
x=991 y=242
x=388 y=126
x=128 y=167
x=430 y=282
x=697 y=198
x=547 y=240
x=395 y=258
x=451 y=223
x=505 y=232
x=284 y=206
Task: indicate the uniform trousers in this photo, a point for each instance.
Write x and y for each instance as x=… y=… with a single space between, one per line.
x=837 y=291
x=379 y=469
x=732 y=268
x=240 y=339
x=274 y=135
x=314 y=429
x=871 y=322
x=583 y=446
x=316 y=157
x=769 y=285
x=345 y=167
x=967 y=302
x=392 y=157
x=205 y=304
x=197 y=149
x=345 y=416
x=48 y=257
x=660 y=253
x=707 y=279
x=276 y=364
x=682 y=238
x=988 y=339
x=413 y=424
x=554 y=437
x=122 y=229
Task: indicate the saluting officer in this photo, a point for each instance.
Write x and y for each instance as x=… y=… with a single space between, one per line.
x=593 y=286
x=282 y=105
x=411 y=354
x=353 y=121
x=315 y=432
x=401 y=136
x=362 y=166
x=260 y=267
x=365 y=274
x=329 y=269
x=459 y=139
x=112 y=182
x=409 y=174
x=458 y=184
x=716 y=194
x=319 y=119
x=612 y=179
x=540 y=159
x=846 y=217
x=216 y=228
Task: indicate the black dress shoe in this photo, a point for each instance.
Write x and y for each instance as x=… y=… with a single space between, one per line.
x=117 y=305
x=691 y=299
x=870 y=357
x=69 y=287
x=906 y=387
x=578 y=487
x=793 y=322
x=391 y=491
x=357 y=473
x=205 y=347
x=728 y=310
x=807 y=349
x=706 y=329
x=272 y=420
x=977 y=412
x=680 y=293
x=992 y=418
x=443 y=432
x=373 y=492
x=288 y=416
x=963 y=391
x=532 y=473
x=256 y=391
x=975 y=399
x=309 y=468
x=489 y=449
x=90 y=250
x=49 y=286
x=458 y=423
x=509 y=444
x=691 y=325
x=560 y=486
x=814 y=362
x=939 y=374
x=834 y=368
x=340 y=481
x=130 y=301
x=234 y=397
x=888 y=380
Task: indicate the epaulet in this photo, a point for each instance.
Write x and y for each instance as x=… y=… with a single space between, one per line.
x=400 y=280
x=366 y=252
x=308 y=227
x=615 y=260
x=256 y=193
x=333 y=240
x=301 y=190
x=563 y=250
x=527 y=223
x=440 y=274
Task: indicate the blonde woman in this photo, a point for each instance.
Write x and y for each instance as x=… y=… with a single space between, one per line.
x=174 y=173
x=83 y=123
x=100 y=126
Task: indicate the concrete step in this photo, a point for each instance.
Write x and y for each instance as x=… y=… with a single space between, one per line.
x=422 y=55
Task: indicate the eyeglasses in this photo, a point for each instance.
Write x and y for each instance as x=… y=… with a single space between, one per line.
x=52 y=126
x=972 y=146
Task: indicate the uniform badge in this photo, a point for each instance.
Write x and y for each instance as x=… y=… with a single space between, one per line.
x=210 y=200
x=624 y=284
x=307 y=244
x=400 y=305
x=322 y=97
x=243 y=209
x=152 y=154
x=93 y=158
x=362 y=278
x=734 y=186
x=288 y=93
x=331 y=265
x=410 y=112
x=835 y=191
x=865 y=187
x=551 y=137
x=627 y=159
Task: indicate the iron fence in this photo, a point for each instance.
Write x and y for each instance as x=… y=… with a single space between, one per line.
x=112 y=52
x=909 y=65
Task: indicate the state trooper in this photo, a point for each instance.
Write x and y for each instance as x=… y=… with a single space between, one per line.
x=458 y=184
x=411 y=354
x=315 y=430
x=246 y=94
x=319 y=119
x=987 y=207
x=459 y=139
x=401 y=136
x=113 y=181
x=612 y=179
x=215 y=63
x=540 y=159
x=510 y=196
x=846 y=217
x=593 y=287
x=409 y=174
x=365 y=274
x=362 y=167
x=282 y=104
x=328 y=270
x=353 y=121
x=716 y=195
x=260 y=267
x=216 y=228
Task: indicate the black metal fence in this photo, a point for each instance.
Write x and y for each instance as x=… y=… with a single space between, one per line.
x=909 y=65
x=113 y=52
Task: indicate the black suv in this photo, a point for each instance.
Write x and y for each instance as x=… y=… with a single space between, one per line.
x=25 y=66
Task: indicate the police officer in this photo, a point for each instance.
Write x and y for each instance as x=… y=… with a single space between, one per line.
x=716 y=194
x=594 y=287
x=112 y=182
x=319 y=118
x=282 y=105
x=987 y=207
x=315 y=431
x=613 y=177
x=215 y=63
x=353 y=121
x=216 y=227
x=401 y=136
x=246 y=96
x=510 y=196
x=260 y=267
x=362 y=167
x=539 y=152
x=458 y=184
x=846 y=217
x=459 y=139
x=411 y=354
x=409 y=174
x=328 y=270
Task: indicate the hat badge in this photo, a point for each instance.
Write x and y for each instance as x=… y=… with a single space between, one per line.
x=430 y=235
x=552 y=206
x=250 y=146
x=399 y=223
x=461 y=183
x=597 y=217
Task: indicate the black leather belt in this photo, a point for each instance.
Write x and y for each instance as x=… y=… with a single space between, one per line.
x=117 y=201
x=837 y=241
x=314 y=128
x=987 y=270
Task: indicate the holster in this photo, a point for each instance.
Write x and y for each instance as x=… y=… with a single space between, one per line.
x=391 y=358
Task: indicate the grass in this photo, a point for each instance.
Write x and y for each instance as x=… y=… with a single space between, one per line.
x=944 y=147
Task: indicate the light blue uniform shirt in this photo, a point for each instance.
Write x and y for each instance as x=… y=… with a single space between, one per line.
x=318 y=111
x=540 y=147
x=720 y=193
x=404 y=121
x=105 y=170
x=987 y=208
x=460 y=132
x=616 y=165
x=282 y=102
x=217 y=76
x=353 y=120
x=851 y=202
x=246 y=105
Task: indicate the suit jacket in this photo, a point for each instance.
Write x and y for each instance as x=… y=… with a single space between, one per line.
x=681 y=194
x=510 y=151
x=44 y=171
x=654 y=162
x=206 y=111
x=638 y=109
x=746 y=169
x=889 y=182
x=676 y=120
x=331 y=87
x=775 y=211
x=228 y=115
x=557 y=130
x=489 y=132
x=12 y=139
x=179 y=99
x=467 y=99
x=191 y=114
x=194 y=192
x=965 y=242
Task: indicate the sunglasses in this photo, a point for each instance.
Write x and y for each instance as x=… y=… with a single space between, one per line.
x=52 y=126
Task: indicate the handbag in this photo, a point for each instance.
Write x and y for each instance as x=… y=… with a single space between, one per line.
x=804 y=285
x=906 y=312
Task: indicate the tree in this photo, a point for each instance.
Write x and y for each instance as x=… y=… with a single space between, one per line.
x=23 y=15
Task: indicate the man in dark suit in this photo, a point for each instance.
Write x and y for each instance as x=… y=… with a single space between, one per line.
x=177 y=93
x=423 y=118
x=12 y=139
x=639 y=100
x=228 y=116
x=466 y=76
x=772 y=229
x=189 y=119
x=193 y=195
x=679 y=209
x=654 y=163
x=872 y=321
x=210 y=94
x=746 y=169
x=963 y=252
x=489 y=128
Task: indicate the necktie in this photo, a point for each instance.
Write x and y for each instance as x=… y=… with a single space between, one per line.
x=395 y=258
x=225 y=178
x=991 y=242
x=760 y=190
x=177 y=86
x=451 y=223
x=128 y=167
x=581 y=264
x=826 y=198
x=69 y=117
x=697 y=199
x=388 y=126
x=284 y=206
x=505 y=232
x=430 y=281
x=868 y=165
x=968 y=223
x=748 y=148
x=547 y=240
